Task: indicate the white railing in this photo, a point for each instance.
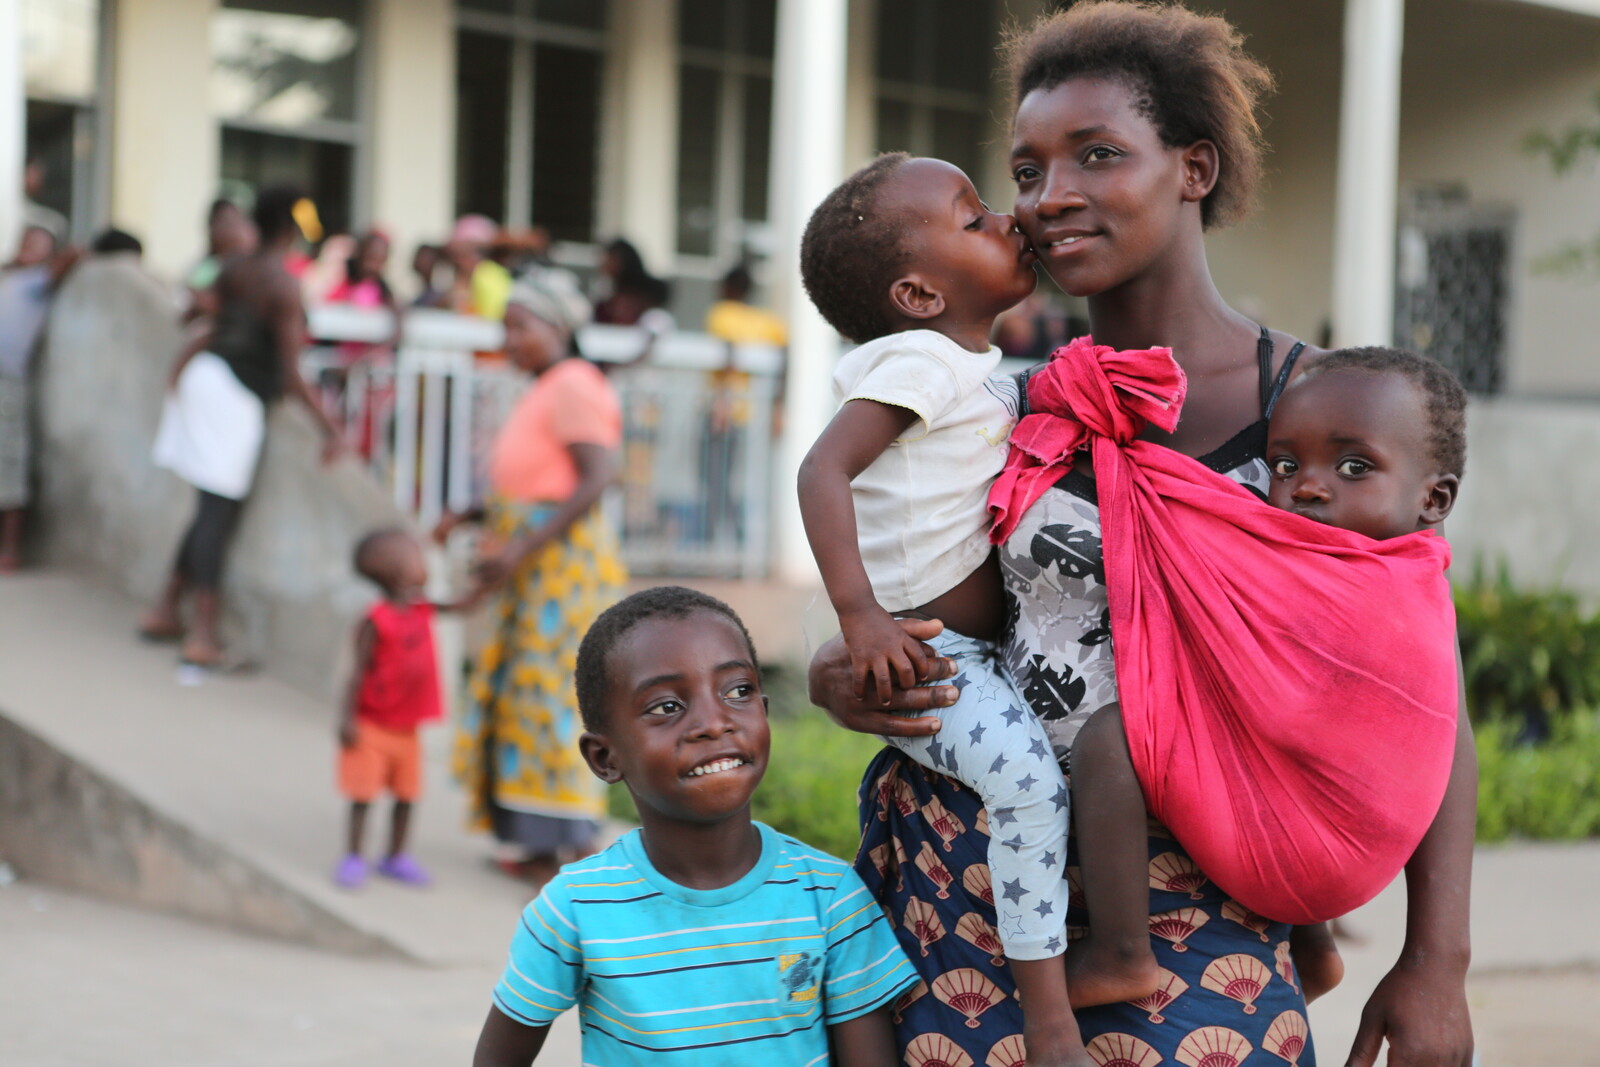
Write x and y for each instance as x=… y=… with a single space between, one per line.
x=697 y=454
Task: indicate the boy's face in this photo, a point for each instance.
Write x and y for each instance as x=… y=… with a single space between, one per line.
x=686 y=722
x=1350 y=449
x=976 y=259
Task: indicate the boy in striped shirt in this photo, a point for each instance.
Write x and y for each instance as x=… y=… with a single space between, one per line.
x=703 y=937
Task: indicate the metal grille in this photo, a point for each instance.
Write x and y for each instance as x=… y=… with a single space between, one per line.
x=1452 y=286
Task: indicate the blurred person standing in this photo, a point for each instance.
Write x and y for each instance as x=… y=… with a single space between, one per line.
x=633 y=296
x=229 y=233
x=554 y=562
x=27 y=283
x=424 y=263
x=479 y=285
x=214 y=422
x=734 y=319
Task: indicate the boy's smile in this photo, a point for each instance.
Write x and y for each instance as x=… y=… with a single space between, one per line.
x=686 y=722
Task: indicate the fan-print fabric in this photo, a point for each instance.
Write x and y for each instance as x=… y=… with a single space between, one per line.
x=1231 y=996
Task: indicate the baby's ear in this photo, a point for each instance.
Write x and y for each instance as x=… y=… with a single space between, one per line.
x=1440 y=496
x=601 y=757
x=911 y=297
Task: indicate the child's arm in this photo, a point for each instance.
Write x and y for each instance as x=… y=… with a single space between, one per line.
x=504 y=1042
x=865 y=1041
x=366 y=638
x=858 y=434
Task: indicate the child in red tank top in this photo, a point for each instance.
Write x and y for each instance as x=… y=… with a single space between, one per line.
x=395 y=689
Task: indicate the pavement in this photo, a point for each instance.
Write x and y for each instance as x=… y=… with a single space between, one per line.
x=248 y=761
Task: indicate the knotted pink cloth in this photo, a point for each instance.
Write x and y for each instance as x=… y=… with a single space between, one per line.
x=1288 y=689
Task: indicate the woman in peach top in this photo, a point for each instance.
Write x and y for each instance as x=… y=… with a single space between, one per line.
x=553 y=561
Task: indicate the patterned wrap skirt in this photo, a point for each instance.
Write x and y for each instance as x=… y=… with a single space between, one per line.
x=1229 y=995
x=516 y=746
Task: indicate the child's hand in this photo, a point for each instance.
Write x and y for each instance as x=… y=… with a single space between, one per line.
x=347 y=733
x=880 y=648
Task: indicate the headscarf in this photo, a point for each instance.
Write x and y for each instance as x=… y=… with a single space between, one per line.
x=552 y=295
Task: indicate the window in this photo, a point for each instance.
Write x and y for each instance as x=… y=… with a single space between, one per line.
x=61 y=41
x=528 y=112
x=284 y=83
x=724 y=126
x=933 y=66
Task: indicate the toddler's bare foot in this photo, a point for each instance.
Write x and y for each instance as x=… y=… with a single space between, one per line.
x=1316 y=960
x=10 y=563
x=1103 y=973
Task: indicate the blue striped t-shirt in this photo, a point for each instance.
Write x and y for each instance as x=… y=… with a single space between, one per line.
x=753 y=972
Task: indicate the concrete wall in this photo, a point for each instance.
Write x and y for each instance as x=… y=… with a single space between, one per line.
x=1531 y=497
x=64 y=822
x=290 y=592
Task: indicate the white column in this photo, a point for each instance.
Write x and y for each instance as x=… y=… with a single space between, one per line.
x=861 y=90
x=1369 y=170
x=639 y=179
x=412 y=146
x=13 y=126
x=165 y=142
x=807 y=160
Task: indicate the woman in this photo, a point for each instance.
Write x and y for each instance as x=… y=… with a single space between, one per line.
x=554 y=559
x=1134 y=131
x=212 y=429
x=636 y=297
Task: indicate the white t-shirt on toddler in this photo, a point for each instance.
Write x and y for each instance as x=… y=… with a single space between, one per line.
x=922 y=514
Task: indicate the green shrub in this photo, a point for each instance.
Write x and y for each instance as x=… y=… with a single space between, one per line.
x=812 y=776
x=1544 y=791
x=1529 y=657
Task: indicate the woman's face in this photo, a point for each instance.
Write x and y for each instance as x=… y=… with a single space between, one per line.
x=1098 y=194
x=531 y=343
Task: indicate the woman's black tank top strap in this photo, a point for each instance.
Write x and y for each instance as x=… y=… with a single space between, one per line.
x=1272 y=387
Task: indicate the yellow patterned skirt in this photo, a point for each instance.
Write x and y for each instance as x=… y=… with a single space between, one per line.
x=516 y=748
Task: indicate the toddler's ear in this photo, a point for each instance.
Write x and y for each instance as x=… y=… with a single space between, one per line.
x=601 y=757
x=1441 y=491
x=911 y=297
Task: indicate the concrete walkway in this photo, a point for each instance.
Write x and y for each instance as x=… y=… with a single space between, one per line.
x=248 y=762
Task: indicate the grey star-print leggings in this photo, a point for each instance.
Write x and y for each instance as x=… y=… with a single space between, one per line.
x=990 y=742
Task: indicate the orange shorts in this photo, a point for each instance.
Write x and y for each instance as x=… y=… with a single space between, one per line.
x=381 y=759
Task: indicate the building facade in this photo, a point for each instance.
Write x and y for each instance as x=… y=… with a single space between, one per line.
x=1401 y=203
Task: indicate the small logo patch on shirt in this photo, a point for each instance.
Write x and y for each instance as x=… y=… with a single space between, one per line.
x=797 y=971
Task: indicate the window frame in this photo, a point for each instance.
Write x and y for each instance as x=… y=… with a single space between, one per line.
x=523 y=34
x=732 y=235
x=354 y=132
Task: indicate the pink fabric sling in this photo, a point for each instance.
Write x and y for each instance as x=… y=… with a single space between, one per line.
x=1288 y=689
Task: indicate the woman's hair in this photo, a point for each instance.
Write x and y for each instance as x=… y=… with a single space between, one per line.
x=274 y=211
x=617 y=621
x=633 y=277
x=1193 y=78
x=853 y=250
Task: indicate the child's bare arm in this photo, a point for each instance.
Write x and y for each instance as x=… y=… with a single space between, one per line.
x=366 y=638
x=865 y=1041
x=504 y=1042
x=858 y=434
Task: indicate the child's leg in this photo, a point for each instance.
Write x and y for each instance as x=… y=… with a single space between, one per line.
x=357 y=829
x=990 y=741
x=10 y=539
x=399 y=826
x=1316 y=959
x=1114 y=961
